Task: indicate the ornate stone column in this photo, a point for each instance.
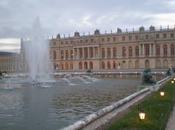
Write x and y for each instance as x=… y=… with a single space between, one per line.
x=99 y=52
x=143 y=50
x=150 y=50
x=88 y=53
x=82 y=52
x=74 y=53
x=140 y=50
x=94 y=53
x=154 y=49
x=168 y=49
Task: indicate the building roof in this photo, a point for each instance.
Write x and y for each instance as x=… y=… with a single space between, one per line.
x=7 y=53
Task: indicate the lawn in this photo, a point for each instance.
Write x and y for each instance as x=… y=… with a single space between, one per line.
x=157 y=111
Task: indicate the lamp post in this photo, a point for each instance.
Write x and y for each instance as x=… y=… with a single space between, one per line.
x=172 y=81
x=142 y=115
x=162 y=93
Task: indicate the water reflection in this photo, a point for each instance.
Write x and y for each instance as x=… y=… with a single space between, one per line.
x=27 y=107
x=11 y=108
x=77 y=102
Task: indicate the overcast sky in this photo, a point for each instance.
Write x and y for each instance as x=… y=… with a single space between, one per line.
x=68 y=16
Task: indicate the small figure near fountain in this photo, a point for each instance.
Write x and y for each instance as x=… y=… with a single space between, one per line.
x=36 y=83
x=89 y=71
x=147 y=77
x=169 y=72
x=1 y=75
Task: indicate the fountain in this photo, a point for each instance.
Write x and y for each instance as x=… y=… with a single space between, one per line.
x=37 y=54
x=92 y=79
x=68 y=81
x=82 y=79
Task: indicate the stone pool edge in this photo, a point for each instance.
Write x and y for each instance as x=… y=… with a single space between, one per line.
x=103 y=116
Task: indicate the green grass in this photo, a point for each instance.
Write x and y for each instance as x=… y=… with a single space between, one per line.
x=157 y=111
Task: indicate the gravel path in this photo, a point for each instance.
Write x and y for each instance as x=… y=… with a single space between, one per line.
x=101 y=122
x=171 y=121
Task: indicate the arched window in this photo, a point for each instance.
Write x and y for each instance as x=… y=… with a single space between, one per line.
x=147 y=50
x=158 y=64
x=71 y=66
x=103 y=65
x=124 y=64
x=85 y=65
x=96 y=52
x=75 y=53
x=130 y=51
x=165 y=63
x=80 y=66
x=55 y=66
x=67 y=54
x=172 y=49
x=147 y=64
x=165 y=50
x=103 y=52
x=109 y=52
x=114 y=65
x=123 y=51
x=108 y=65
x=91 y=52
x=137 y=51
x=91 y=65
x=54 y=55
x=66 y=66
x=129 y=64
x=114 y=52
x=80 y=53
x=123 y=38
x=71 y=54
x=62 y=66
x=62 y=54
x=157 y=50
x=137 y=64
x=85 y=53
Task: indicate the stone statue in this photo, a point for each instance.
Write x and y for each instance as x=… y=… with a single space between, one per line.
x=147 y=77
x=169 y=72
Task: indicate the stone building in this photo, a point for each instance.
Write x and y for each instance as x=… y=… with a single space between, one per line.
x=115 y=51
x=9 y=62
x=104 y=52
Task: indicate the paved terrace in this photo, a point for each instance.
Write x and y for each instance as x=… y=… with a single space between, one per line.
x=171 y=121
x=107 y=73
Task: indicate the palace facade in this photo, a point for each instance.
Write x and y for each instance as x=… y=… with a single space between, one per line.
x=104 y=52
x=115 y=51
x=10 y=62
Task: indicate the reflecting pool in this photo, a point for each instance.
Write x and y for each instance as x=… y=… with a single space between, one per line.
x=54 y=105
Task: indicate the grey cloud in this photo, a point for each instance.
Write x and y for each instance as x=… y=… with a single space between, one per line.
x=66 y=16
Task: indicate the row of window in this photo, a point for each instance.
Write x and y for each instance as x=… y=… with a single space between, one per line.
x=165 y=50
x=112 y=52
x=146 y=50
x=123 y=38
x=65 y=66
x=86 y=65
x=116 y=65
x=124 y=49
x=110 y=65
